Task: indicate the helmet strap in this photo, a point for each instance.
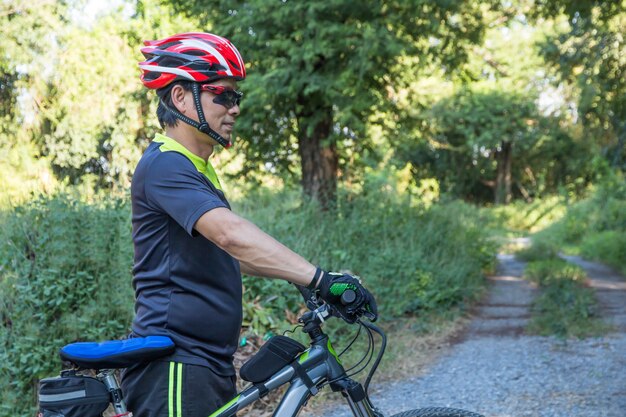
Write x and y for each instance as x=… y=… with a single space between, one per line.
x=203 y=126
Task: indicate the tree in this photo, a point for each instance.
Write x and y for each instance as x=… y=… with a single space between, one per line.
x=589 y=52
x=26 y=49
x=319 y=70
x=79 y=87
x=480 y=130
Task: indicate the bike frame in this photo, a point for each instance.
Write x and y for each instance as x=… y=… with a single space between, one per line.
x=321 y=364
x=315 y=367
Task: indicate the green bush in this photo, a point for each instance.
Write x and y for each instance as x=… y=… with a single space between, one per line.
x=540 y=249
x=522 y=217
x=554 y=271
x=65 y=276
x=66 y=268
x=594 y=228
x=565 y=307
x=412 y=257
x=607 y=246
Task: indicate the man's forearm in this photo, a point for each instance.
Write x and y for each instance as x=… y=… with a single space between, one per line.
x=258 y=253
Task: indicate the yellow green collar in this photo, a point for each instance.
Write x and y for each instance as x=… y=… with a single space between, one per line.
x=204 y=167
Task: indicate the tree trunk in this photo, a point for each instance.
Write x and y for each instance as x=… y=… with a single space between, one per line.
x=503 y=193
x=318 y=156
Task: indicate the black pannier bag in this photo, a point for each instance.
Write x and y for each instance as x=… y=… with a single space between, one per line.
x=71 y=395
x=275 y=354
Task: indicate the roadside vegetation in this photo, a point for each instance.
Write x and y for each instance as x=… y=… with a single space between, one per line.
x=594 y=228
x=66 y=271
x=565 y=307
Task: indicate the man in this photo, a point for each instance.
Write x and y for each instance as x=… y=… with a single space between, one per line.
x=190 y=248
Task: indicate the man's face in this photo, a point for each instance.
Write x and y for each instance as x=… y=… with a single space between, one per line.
x=219 y=117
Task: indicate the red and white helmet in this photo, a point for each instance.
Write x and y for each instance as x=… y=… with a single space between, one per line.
x=200 y=57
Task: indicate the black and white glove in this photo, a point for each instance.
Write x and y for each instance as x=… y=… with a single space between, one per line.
x=331 y=286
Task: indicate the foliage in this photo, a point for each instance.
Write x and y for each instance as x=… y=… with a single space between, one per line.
x=80 y=102
x=588 y=51
x=58 y=99
x=318 y=71
x=550 y=271
x=66 y=262
x=64 y=277
x=26 y=48
x=595 y=226
x=539 y=250
x=459 y=133
x=522 y=217
x=565 y=307
x=608 y=246
x=468 y=132
x=83 y=130
x=435 y=257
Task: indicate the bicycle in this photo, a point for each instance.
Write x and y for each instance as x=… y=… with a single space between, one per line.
x=280 y=360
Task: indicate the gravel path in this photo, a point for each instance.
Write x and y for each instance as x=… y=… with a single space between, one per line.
x=497 y=370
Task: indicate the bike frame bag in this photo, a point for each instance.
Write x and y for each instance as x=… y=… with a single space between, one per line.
x=72 y=396
x=274 y=355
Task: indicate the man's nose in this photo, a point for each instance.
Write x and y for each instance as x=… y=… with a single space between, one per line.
x=235 y=110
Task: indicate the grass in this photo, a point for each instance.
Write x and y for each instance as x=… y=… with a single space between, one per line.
x=538 y=250
x=594 y=228
x=565 y=307
x=66 y=269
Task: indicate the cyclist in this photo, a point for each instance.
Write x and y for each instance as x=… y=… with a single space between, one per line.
x=190 y=248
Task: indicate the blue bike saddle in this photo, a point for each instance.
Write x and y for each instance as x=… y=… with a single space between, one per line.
x=117 y=353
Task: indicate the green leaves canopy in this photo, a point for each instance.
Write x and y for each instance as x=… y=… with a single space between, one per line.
x=589 y=52
x=309 y=59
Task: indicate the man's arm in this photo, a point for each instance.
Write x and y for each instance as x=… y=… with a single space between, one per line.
x=258 y=253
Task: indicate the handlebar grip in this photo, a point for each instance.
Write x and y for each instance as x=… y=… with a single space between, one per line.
x=348 y=297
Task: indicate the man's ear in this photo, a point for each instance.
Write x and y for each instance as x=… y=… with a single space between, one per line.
x=179 y=98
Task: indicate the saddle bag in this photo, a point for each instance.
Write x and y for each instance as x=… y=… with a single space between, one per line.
x=275 y=354
x=71 y=395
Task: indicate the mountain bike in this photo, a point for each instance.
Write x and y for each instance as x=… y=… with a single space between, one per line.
x=279 y=361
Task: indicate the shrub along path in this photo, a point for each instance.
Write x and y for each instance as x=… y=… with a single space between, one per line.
x=495 y=368
x=610 y=288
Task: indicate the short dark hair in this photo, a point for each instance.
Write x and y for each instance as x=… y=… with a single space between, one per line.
x=165 y=116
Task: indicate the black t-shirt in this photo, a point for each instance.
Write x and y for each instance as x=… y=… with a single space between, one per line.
x=186 y=287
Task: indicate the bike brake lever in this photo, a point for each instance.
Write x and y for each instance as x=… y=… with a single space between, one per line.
x=369 y=316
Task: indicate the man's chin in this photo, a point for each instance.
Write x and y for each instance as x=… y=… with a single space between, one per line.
x=225 y=136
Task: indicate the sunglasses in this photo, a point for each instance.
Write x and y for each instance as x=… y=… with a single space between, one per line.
x=224 y=96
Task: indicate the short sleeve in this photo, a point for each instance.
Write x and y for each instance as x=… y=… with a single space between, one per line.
x=173 y=185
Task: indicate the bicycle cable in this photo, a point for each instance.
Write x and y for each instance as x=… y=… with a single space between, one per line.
x=293 y=330
x=367 y=351
x=370 y=352
x=381 y=352
x=352 y=342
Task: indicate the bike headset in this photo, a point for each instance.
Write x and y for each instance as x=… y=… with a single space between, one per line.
x=196 y=57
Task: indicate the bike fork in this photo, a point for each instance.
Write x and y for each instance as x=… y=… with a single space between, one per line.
x=119 y=405
x=357 y=398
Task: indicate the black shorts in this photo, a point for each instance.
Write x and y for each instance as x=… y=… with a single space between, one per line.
x=173 y=389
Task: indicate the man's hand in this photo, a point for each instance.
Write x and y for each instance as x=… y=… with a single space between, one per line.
x=333 y=285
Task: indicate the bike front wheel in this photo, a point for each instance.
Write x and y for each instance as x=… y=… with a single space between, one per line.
x=437 y=412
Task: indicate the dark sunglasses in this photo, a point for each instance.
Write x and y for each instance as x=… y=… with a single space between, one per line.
x=224 y=96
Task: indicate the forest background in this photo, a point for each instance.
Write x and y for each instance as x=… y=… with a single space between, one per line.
x=398 y=140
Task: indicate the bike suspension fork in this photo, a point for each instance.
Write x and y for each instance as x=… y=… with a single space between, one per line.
x=357 y=398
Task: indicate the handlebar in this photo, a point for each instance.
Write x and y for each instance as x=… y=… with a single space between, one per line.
x=314 y=319
x=348 y=297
